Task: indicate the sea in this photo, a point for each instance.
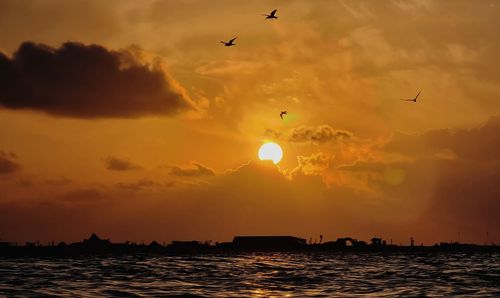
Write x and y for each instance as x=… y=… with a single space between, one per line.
x=254 y=275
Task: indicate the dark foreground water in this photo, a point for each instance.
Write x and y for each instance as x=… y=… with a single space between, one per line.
x=260 y=275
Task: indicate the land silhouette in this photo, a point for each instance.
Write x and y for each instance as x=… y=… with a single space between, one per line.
x=95 y=245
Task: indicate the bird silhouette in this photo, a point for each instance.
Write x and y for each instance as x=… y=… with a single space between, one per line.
x=229 y=43
x=283 y=113
x=272 y=15
x=411 y=99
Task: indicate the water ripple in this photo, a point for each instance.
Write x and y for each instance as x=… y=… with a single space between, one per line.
x=259 y=275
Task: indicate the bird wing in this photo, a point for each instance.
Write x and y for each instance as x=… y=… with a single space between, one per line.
x=406 y=99
x=231 y=41
x=418 y=94
x=273 y=13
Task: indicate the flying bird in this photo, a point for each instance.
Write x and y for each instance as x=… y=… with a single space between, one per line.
x=272 y=15
x=229 y=43
x=283 y=113
x=412 y=99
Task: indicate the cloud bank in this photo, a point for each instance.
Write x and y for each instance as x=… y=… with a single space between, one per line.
x=118 y=164
x=196 y=170
x=87 y=81
x=449 y=178
x=7 y=163
x=318 y=134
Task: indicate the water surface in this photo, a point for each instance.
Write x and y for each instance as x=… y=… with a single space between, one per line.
x=264 y=274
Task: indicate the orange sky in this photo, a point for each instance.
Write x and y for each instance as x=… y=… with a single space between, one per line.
x=131 y=120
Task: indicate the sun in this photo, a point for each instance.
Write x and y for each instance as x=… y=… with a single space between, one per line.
x=270 y=151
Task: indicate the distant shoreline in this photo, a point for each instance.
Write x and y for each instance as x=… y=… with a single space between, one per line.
x=240 y=244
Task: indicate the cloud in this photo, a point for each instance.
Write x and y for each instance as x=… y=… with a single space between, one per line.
x=272 y=133
x=84 y=195
x=314 y=134
x=314 y=164
x=446 y=154
x=318 y=134
x=196 y=170
x=478 y=144
x=227 y=68
x=88 y=81
x=63 y=181
x=7 y=163
x=449 y=179
x=143 y=184
x=118 y=164
x=25 y=182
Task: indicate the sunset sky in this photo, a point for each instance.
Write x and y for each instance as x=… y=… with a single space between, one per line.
x=130 y=119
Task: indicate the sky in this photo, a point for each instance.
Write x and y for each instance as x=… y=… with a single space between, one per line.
x=131 y=120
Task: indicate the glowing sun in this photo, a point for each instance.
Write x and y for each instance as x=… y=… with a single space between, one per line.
x=270 y=151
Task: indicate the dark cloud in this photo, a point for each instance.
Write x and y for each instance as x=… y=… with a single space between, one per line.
x=467 y=196
x=480 y=144
x=87 y=81
x=143 y=184
x=7 y=163
x=196 y=170
x=63 y=181
x=450 y=176
x=318 y=134
x=136 y=186
x=25 y=182
x=118 y=164
x=84 y=195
